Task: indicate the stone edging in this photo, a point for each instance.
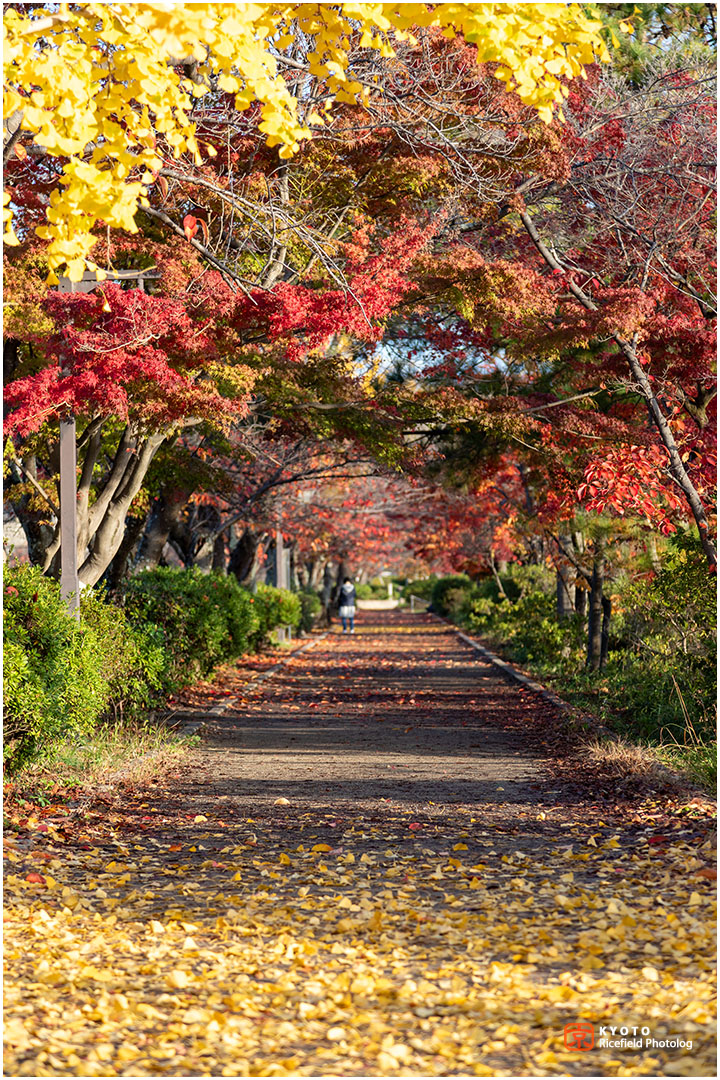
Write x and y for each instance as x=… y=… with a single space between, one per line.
x=217 y=710
x=574 y=716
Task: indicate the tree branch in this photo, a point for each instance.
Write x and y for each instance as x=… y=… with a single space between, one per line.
x=160 y=215
x=31 y=480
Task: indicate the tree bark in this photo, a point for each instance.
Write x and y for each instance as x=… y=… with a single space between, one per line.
x=342 y=573
x=39 y=532
x=327 y=594
x=244 y=560
x=595 y=613
x=108 y=536
x=117 y=571
x=496 y=576
x=581 y=595
x=564 y=590
x=164 y=513
x=605 y=632
x=219 y=557
x=653 y=553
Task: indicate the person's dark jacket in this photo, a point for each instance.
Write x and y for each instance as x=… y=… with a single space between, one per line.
x=346 y=596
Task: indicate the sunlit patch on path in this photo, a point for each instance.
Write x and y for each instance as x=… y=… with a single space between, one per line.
x=367 y=868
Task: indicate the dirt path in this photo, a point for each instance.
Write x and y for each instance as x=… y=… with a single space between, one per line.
x=395 y=713
x=371 y=866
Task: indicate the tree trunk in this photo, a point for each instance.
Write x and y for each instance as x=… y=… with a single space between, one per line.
x=564 y=593
x=605 y=633
x=496 y=576
x=219 y=557
x=165 y=512
x=108 y=536
x=653 y=553
x=342 y=573
x=271 y=568
x=303 y=571
x=245 y=560
x=117 y=571
x=564 y=590
x=581 y=596
x=595 y=614
x=327 y=594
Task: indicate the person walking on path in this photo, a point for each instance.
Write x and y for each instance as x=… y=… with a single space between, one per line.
x=347 y=606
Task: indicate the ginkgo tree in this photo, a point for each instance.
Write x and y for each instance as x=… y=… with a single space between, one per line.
x=108 y=90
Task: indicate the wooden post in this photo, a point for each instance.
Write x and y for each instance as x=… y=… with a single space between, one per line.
x=281 y=567
x=69 y=581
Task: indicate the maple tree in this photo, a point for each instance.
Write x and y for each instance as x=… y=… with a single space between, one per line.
x=229 y=506
x=364 y=524
x=607 y=286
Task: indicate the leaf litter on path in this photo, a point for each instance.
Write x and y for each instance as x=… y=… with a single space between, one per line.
x=205 y=927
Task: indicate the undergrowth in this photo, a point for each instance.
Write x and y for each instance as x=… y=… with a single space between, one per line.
x=134 y=751
x=658 y=688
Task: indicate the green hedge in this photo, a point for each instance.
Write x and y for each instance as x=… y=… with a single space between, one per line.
x=62 y=676
x=421 y=587
x=200 y=619
x=310 y=606
x=444 y=586
x=274 y=607
x=374 y=590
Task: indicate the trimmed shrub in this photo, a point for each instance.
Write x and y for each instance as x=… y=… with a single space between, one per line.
x=203 y=619
x=135 y=662
x=454 y=583
x=62 y=676
x=422 y=587
x=373 y=590
x=310 y=608
x=274 y=607
x=54 y=678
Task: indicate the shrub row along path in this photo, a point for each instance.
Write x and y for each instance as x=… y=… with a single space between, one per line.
x=374 y=864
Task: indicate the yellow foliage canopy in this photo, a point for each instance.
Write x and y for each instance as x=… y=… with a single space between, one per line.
x=102 y=86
